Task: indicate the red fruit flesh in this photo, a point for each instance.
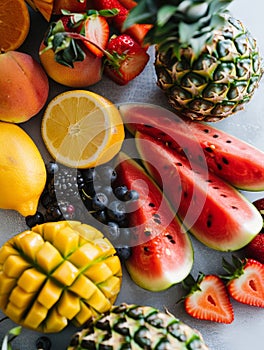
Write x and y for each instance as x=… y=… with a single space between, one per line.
x=162 y=253
x=97 y=31
x=215 y=213
x=232 y=159
x=210 y=302
x=129 y=59
x=255 y=249
x=248 y=288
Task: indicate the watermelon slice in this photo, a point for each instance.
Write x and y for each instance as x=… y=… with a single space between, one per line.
x=214 y=211
x=162 y=253
x=234 y=160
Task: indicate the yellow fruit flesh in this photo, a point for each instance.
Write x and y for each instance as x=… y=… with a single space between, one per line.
x=22 y=168
x=44 y=283
x=82 y=129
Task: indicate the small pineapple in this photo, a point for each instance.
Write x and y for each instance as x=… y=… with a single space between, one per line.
x=137 y=327
x=207 y=62
x=58 y=272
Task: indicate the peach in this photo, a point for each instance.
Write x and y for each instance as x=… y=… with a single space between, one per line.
x=24 y=87
x=84 y=73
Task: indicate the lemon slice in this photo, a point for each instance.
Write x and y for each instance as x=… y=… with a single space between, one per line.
x=82 y=129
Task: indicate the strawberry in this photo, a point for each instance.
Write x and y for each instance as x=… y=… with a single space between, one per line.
x=96 y=29
x=136 y=31
x=128 y=4
x=126 y=59
x=207 y=299
x=245 y=281
x=255 y=249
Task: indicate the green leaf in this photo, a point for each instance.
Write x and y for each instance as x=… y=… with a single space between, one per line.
x=218 y=6
x=187 y=31
x=165 y=13
x=15 y=331
x=145 y=12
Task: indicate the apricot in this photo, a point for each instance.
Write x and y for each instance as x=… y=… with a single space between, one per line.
x=84 y=73
x=24 y=87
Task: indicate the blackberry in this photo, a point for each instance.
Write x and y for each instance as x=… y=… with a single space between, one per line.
x=43 y=343
x=60 y=211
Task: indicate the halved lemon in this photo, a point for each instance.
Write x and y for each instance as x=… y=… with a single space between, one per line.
x=82 y=129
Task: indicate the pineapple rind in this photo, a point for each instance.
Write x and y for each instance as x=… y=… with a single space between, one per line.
x=53 y=275
x=216 y=83
x=136 y=327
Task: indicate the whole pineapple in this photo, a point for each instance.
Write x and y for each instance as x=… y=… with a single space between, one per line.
x=56 y=273
x=207 y=63
x=133 y=327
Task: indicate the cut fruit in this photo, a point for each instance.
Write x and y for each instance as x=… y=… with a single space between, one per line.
x=82 y=129
x=15 y=23
x=216 y=213
x=230 y=158
x=45 y=292
x=45 y=7
x=161 y=251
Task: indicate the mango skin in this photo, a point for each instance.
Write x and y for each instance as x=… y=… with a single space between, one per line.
x=24 y=87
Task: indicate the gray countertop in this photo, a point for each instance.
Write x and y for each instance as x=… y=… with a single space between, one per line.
x=247 y=330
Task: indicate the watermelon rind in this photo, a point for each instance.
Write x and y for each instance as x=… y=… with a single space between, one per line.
x=162 y=252
x=215 y=213
x=234 y=160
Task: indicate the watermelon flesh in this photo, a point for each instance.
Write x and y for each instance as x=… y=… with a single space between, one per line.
x=215 y=212
x=162 y=253
x=230 y=158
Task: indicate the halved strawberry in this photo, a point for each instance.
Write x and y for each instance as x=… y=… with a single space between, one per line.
x=96 y=29
x=126 y=59
x=207 y=299
x=245 y=281
x=137 y=31
x=255 y=249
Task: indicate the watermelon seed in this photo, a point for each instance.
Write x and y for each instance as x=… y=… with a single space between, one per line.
x=152 y=205
x=147 y=233
x=206 y=131
x=219 y=166
x=235 y=208
x=228 y=141
x=215 y=136
x=223 y=195
x=225 y=161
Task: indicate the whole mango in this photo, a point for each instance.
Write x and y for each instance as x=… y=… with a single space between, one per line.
x=22 y=170
x=56 y=273
x=24 y=87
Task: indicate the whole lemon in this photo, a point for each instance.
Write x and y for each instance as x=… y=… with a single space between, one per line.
x=22 y=170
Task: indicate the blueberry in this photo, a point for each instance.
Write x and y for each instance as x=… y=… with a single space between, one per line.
x=116 y=211
x=131 y=195
x=99 y=201
x=125 y=235
x=112 y=230
x=121 y=192
x=36 y=219
x=43 y=343
x=52 y=168
x=107 y=174
x=123 y=252
x=100 y=216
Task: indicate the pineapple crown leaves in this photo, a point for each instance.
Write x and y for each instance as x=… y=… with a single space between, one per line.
x=66 y=44
x=234 y=269
x=179 y=24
